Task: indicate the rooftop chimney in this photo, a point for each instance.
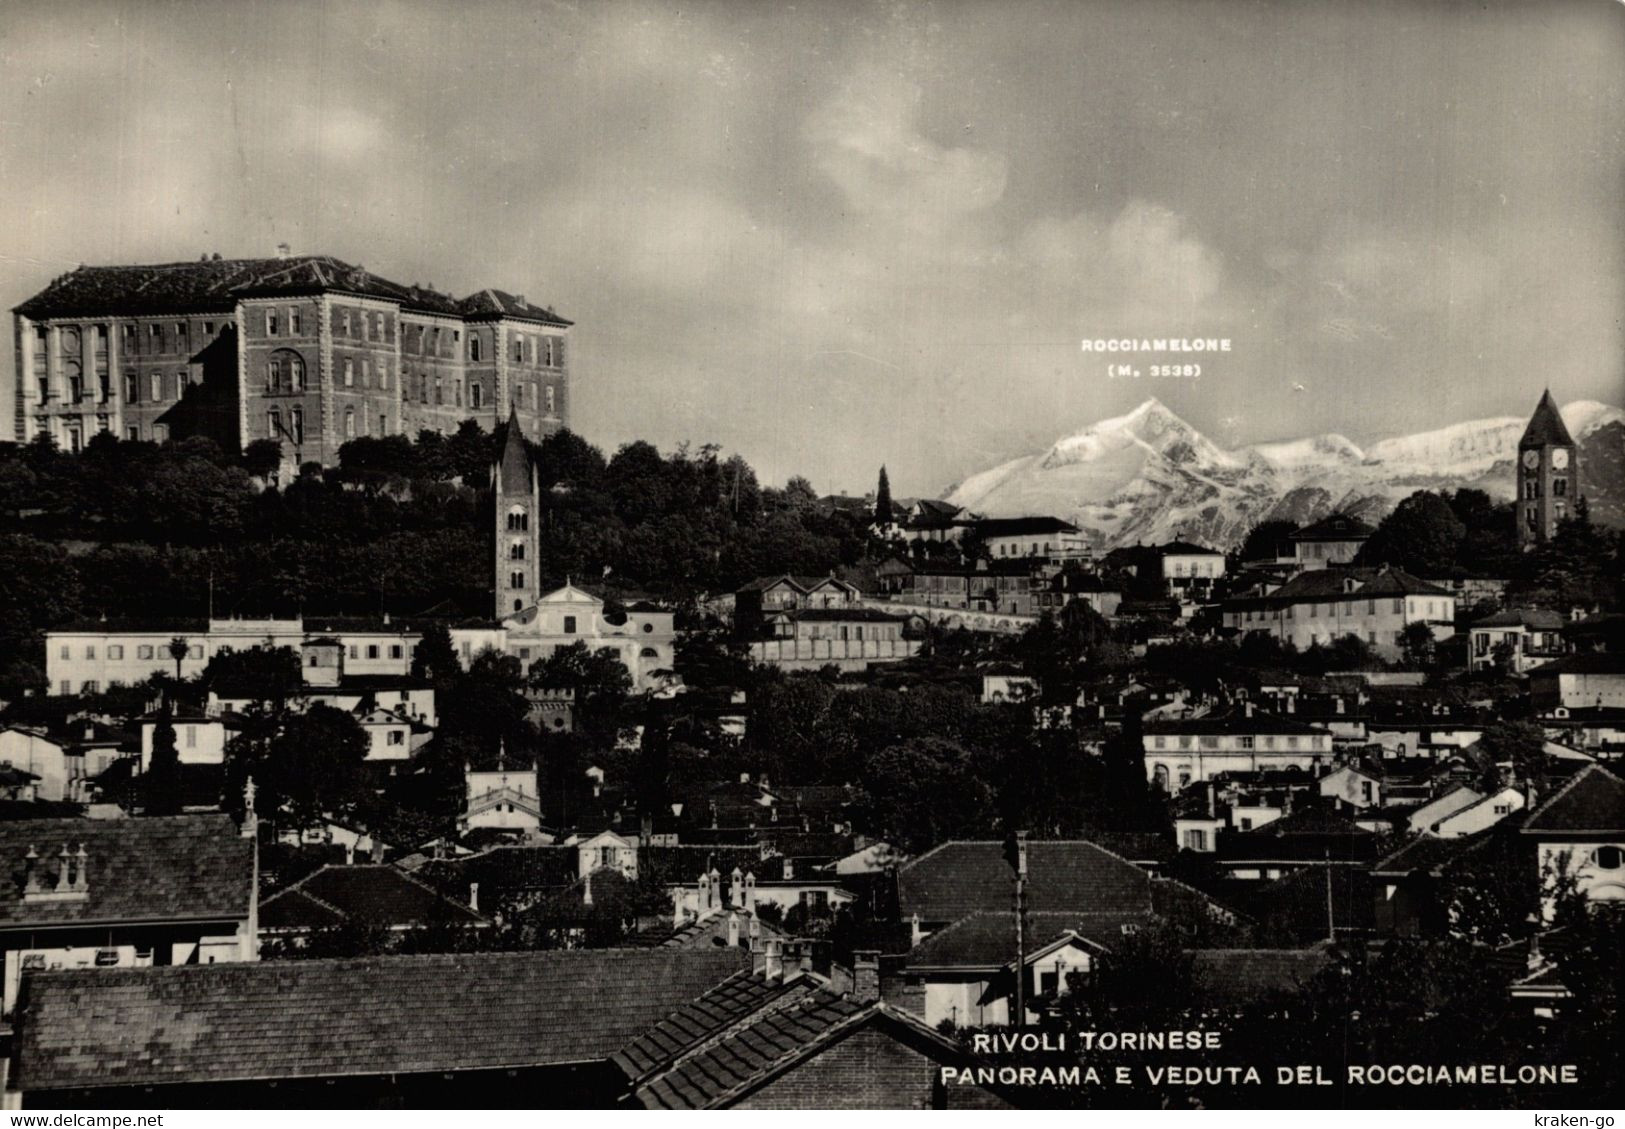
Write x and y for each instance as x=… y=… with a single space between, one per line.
x=733 y=930
x=283 y=251
x=474 y=896
x=865 y=976
x=773 y=964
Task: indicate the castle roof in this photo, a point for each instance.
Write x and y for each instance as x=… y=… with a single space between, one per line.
x=1546 y=427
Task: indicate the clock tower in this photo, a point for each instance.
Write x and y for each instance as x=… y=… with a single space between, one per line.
x=1548 y=474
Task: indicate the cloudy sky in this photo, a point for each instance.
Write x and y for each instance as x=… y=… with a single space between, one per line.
x=834 y=234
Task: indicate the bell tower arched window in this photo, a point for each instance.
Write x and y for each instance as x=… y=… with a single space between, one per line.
x=518 y=520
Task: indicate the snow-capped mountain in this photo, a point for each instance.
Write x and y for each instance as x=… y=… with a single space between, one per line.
x=1149 y=476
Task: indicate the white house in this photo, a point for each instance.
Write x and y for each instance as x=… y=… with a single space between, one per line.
x=503 y=798
x=199 y=738
x=31 y=751
x=1532 y=635
x=1580 y=828
x=570 y=615
x=1373 y=605
x=1186 y=751
x=1478 y=816
x=1578 y=682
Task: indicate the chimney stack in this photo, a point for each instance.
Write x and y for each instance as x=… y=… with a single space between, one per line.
x=736 y=888
x=733 y=930
x=283 y=251
x=866 y=976
x=474 y=896
x=81 y=877
x=914 y=934
x=753 y=933
x=32 y=884
x=773 y=964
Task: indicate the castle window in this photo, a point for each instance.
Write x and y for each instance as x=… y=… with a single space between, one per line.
x=518 y=349
x=349 y=373
x=132 y=386
x=157 y=382
x=1531 y=489
x=296 y=424
x=473 y=348
x=349 y=423
x=476 y=396
x=273 y=423
x=296 y=373
x=383 y=423
x=344 y=322
x=383 y=375
x=366 y=372
x=439 y=391
x=294 y=326
x=272 y=323
x=273 y=375
x=552 y=402
x=133 y=433
x=374 y=326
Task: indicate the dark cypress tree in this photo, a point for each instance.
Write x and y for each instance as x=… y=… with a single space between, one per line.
x=163 y=784
x=883 y=512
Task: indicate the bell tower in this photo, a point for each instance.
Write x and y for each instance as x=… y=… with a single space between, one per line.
x=1548 y=474
x=518 y=520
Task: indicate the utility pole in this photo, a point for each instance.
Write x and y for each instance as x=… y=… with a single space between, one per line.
x=1331 y=920
x=1019 y=862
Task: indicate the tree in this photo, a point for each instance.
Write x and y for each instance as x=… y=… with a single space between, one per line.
x=435 y=658
x=314 y=766
x=268 y=675
x=1267 y=539
x=162 y=788
x=178 y=648
x=883 y=510
x=262 y=457
x=1421 y=536
x=1416 y=645
x=924 y=791
x=597 y=681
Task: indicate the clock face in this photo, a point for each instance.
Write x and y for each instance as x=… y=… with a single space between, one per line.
x=1531 y=459
x=1560 y=459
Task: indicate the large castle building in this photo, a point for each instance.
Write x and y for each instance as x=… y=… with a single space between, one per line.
x=1548 y=474
x=304 y=350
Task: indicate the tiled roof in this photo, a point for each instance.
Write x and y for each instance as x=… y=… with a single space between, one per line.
x=1537 y=618
x=1072 y=876
x=1430 y=855
x=503 y=870
x=988 y=939
x=370 y=892
x=730 y=1002
x=1236 y=721
x=1186 y=549
x=1240 y=976
x=1592 y=800
x=1546 y=426
x=731 y=1069
x=216 y=284
x=325 y=1018
x=1327 y=584
x=1020 y=526
x=156 y=868
x=1583 y=664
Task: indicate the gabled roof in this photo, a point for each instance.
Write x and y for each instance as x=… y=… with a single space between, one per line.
x=728 y=1071
x=735 y=999
x=1592 y=800
x=987 y=939
x=156 y=868
x=375 y=893
x=1022 y=526
x=1186 y=549
x=1546 y=426
x=1237 y=721
x=1072 y=876
x=331 y=1018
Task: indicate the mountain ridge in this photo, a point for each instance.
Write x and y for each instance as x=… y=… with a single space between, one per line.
x=1147 y=475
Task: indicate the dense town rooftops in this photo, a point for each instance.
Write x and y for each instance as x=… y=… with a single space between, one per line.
x=728 y=1003
x=959 y=878
x=157 y=868
x=1332 y=584
x=987 y=939
x=331 y=1018
x=215 y=285
x=1592 y=801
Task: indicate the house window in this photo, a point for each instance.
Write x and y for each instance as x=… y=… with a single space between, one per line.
x=396 y=737
x=144 y=651
x=366 y=372
x=372 y=650
x=1560 y=487
x=396 y=652
x=349 y=423
x=132 y=385
x=294 y=326
x=89 y=686
x=473 y=348
x=191 y=736
x=1196 y=840
x=1607 y=858
x=344 y=322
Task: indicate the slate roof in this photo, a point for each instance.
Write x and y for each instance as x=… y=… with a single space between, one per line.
x=735 y=999
x=1583 y=664
x=1239 y=976
x=1429 y=855
x=217 y=284
x=1186 y=549
x=1592 y=800
x=365 y=891
x=988 y=940
x=1236 y=721
x=1072 y=876
x=156 y=868
x=1324 y=585
x=329 y=1018
x=1546 y=426
x=1022 y=526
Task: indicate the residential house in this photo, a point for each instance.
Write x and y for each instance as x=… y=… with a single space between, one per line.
x=505 y=799
x=1522 y=638
x=1579 y=681
x=1357 y=785
x=1040 y=538
x=1318 y=606
x=1480 y=815
x=849 y=637
x=199 y=737
x=128 y=892
x=933 y=520
x=1183 y=751
x=1189 y=571
x=31 y=751
x=1333 y=540
x=1580 y=829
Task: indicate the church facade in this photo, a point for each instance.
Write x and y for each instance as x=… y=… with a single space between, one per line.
x=307 y=351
